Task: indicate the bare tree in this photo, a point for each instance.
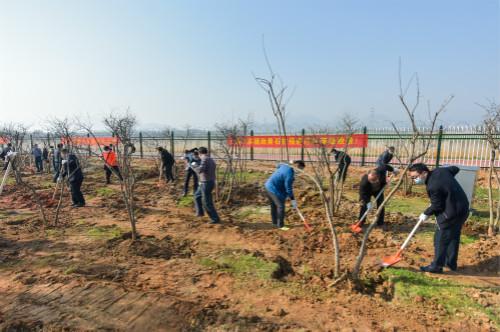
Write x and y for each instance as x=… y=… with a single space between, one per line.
x=15 y=134
x=417 y=147
x=122 y=127
x=491 y=125
x=231 y=151
x=276 y=90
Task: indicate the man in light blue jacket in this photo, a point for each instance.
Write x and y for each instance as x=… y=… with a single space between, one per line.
x=279 y=187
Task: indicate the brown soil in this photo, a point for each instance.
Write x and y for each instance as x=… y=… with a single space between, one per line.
x=72 y=281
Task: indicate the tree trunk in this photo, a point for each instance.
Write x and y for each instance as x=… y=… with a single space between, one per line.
x=364 y=243
x=490 y=193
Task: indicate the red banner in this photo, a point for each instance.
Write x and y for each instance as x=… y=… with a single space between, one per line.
x=307 y=141
x=98 y=141
x=3 y=141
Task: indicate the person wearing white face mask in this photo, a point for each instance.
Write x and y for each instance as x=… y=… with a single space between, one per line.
x=450 y=205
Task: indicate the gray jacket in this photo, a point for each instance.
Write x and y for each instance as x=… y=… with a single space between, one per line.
x=207 y=168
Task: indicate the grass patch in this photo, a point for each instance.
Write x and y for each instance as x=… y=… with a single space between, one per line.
x=105 y=192
x=241 y=265
x=408 y=205
x=105 y=232
x=185 y=201
x=452 y=296
x=247 y=212
x=70 y=270
x=468 y=239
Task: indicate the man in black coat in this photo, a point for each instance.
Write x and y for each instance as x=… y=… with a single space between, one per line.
x=167 y=162
x=372 y=184
x=343 y=160
x=73 y=172
x=450 y=205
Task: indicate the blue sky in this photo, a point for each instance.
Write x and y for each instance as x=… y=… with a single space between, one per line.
x=177 y=63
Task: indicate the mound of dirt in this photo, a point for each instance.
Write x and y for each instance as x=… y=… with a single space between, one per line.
x=151 y=247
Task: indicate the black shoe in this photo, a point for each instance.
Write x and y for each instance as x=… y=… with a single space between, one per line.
x=431 y=269
x=213 y=222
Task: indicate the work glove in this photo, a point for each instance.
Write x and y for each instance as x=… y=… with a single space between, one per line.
x=59 y=179
x=193 y=164
x=369 y=205
x=396 y=171
x=64 y=161
x=294 y=204
x=423 y=217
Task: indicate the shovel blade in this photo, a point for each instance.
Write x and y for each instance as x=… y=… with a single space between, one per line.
x=391 y=260
x=307 y=227
x=356 y=228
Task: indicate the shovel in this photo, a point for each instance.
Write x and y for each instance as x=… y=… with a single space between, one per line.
x=391 y=260
x=306 y=224
x=356 y=228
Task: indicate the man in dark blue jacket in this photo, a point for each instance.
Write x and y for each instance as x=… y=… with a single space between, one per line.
x=73 y=172
x=385 y=158
x=450 y=205
x=279 y=187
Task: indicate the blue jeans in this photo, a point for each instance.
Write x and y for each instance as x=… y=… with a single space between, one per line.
x=203 y=200
x=277 y=209
x=39 y=164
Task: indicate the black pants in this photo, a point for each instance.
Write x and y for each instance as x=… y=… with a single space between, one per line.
x=381 y=217
x=76 y=193
x=39 y=164
x=109 y=172
x=203 y=200
x=57 y=171
x=167 y=172
x=446 y=243
x=343 y=171
x=190 y=173
x=277 y=209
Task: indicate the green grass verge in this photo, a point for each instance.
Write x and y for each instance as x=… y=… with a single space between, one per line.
x=452 y=296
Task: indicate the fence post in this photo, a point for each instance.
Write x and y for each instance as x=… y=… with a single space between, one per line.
x=172 y=144
x=440 y=139
x=31 y=141
x=141 y=151
x=88 y=145
x=209 y=147
x=303 y=142
x=363 y=151
x=251 y=144
x=48 y=139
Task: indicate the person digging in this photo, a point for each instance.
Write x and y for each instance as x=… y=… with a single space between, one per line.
x=110 y=164
x=72 y=171
x=206 y=171
x=373 y=184
x=279 y=187
x=450 y=205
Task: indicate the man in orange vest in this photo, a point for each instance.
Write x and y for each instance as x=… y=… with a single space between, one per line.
x=110 y=164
